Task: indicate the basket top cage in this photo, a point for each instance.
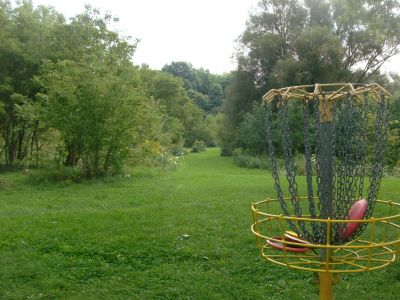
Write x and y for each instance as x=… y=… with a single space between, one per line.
x=332 y=140
x=332 y=91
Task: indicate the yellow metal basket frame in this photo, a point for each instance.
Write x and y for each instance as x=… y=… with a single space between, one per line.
x=358 y=255
x=330 y=91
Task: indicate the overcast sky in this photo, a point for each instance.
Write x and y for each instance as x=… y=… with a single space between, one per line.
x=201 y=32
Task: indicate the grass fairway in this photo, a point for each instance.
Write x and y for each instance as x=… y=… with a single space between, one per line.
x=178 y=235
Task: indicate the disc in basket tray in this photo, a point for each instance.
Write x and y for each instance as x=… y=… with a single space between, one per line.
x=356 y=212
x=289 y=237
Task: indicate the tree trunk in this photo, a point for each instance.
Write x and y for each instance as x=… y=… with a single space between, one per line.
x=72 y=157
x=20 y=147
x=11 y=144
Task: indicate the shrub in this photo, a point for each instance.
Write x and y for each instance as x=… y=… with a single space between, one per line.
x=199 y=146
x=178 y=149
x=263 y=162
x=146 y=154
x=152 y=154
x=392 y=171
x=226 y=151
x=251 y=162
x=169 y=161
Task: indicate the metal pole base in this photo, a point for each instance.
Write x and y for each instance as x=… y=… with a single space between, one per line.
x=325 y=286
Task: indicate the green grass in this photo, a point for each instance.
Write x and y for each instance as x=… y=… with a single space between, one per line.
x=126 y=238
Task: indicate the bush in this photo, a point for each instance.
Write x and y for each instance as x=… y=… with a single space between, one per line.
x=178 y=149
x=244 y=160
x=146 y=154
x=199 y=146
x=152 y=154
x=251 y=162
x=169 y=161
x=226 y=151
x=392 y=171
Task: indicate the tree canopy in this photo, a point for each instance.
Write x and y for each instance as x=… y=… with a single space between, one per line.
x=204 y=88
x=293 y=42
x=290 y=42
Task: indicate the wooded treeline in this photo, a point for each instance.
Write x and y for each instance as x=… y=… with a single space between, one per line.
x=293 y=42
x=70 y=94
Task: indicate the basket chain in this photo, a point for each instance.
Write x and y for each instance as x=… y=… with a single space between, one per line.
x=275 y=171
x=340 y=132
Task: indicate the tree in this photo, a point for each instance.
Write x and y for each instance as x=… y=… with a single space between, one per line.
x=183 y=70
x=252 y=133
x=25 y=36
x=98 y=111
x=292 y=42
x=368 y=30
x=205 y=89
x=183 y=119
x=393 y=149
x=87 y=38
x=240 y=95
x=350 y=35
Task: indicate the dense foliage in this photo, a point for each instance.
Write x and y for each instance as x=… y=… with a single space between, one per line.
x=204 y=88
x=70 y=94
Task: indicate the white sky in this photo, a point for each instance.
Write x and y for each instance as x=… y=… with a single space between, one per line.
x=201 y=32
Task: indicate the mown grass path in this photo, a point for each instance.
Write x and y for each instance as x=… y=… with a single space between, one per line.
x=177 y=235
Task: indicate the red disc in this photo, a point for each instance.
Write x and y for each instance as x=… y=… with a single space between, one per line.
x=356 y=212
x=289 y=248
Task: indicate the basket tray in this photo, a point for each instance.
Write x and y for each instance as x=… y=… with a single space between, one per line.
x=374 y=249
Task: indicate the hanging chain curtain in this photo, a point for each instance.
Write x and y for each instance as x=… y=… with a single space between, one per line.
x=342 y=149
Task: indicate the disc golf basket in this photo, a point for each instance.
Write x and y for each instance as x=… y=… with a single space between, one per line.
x=326 y=144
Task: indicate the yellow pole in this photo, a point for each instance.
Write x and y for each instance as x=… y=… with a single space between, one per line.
x=326 y=186
x=325 y=286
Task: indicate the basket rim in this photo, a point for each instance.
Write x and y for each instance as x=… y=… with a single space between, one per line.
x=327 y=220
x=321 y=89
x=360 y=254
